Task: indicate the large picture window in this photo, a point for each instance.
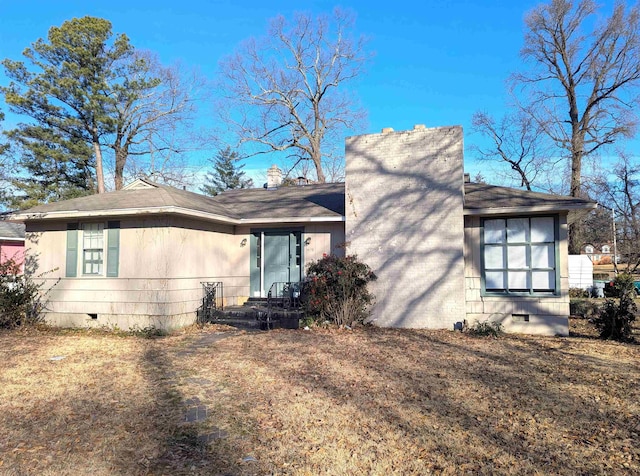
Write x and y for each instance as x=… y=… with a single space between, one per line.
x=519 y=255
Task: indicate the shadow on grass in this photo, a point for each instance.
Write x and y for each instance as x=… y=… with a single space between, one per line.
x=514 y=405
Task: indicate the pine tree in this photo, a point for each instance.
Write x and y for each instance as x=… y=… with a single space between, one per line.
x=226 y=174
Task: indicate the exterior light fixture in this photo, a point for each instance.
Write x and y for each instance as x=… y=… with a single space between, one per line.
x=307 y=241
x=243 y=242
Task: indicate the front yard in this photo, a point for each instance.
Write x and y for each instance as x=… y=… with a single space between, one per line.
x=367 y=401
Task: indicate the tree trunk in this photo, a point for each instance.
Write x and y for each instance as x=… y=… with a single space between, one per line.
x=121 y=154
x=99 y=169
x=577 y=152
x=316 y=157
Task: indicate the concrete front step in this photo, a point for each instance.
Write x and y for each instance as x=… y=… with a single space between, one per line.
x=247 y=317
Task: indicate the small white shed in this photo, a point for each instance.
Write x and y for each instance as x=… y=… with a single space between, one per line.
x=580 y=272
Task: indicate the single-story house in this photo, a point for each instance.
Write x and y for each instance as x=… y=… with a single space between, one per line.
x=444 y=249
x=11 y=242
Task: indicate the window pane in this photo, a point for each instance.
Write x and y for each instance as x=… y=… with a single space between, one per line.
x=542 y=230
x=517 y=257
x=542 y=256
x=494 y=231
x=518 y=280
x=544 y=280
x=494 y=257
x=517 y=230
x=494 y=280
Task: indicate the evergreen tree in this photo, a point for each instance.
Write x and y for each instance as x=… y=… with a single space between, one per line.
x=226 y=174
x=65 y=91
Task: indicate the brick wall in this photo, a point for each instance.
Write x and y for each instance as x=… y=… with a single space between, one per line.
x=404 y=217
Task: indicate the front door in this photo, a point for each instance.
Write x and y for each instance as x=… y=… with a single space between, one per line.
x=275 y=258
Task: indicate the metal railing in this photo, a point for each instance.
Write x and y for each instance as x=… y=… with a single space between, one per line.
x=212 y=301
x=285 y=295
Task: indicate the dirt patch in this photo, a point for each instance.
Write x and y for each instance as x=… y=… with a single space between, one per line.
x=366 y=401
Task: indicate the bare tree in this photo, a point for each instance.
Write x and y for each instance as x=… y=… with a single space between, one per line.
x=516 y=140
x=287 y=92
x=154 y=108
x=621 y=192
x=583 y=80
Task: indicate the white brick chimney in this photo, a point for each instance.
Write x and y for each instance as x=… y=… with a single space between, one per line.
x=274 y=177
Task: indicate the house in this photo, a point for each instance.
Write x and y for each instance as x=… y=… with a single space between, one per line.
x=12 y=242
x=444 y=249
x=598 y=253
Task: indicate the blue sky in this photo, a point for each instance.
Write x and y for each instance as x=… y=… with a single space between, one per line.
x=435 y=63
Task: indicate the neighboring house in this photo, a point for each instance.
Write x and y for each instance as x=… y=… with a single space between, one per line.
x=12 y=242
x=444 y=250
x=599 y=254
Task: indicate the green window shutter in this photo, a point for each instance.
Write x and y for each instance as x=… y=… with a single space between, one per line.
x=113 y=248
x=72 y=250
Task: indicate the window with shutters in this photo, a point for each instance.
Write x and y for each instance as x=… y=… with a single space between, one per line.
x=519 y=256
x=93 y=249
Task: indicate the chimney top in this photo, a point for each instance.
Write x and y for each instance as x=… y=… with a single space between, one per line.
x=274 y=177
x=387 y=130
x=419 y=127
x=467 y=178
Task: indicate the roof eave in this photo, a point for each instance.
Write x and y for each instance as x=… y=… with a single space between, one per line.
x=534 y=209
x=75 y=214
x=78 y=214
x=324 y=219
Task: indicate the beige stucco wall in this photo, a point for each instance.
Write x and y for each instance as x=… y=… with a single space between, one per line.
x=548 y=315
x=162 y=262
x=404 y=211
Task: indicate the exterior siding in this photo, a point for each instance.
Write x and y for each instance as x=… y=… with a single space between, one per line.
x=162 y=263
x=548 y=315
x=404 y=211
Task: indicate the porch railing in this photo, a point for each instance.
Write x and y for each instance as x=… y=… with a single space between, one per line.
x=285 y=295
x=212 y=301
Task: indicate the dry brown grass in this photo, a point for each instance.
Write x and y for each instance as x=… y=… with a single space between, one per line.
x=366 y=401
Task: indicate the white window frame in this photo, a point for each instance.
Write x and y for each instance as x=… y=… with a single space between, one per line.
x=87 y=241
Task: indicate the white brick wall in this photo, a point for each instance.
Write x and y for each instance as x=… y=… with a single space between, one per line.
x=404 y=209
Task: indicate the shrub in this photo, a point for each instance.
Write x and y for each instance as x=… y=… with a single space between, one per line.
x=336 y=290
x=585 y=308
x=614 y=321
x=578 y=293
x=20 y=297
x=486 y=329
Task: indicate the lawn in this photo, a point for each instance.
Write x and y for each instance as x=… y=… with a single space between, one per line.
x=364 y=401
